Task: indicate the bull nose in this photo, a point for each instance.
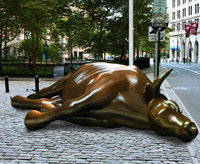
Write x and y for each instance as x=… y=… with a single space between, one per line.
x=191 y=128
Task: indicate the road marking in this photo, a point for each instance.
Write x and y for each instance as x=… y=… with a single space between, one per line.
x=181 y=88
x=192 y=71
x=184 y=68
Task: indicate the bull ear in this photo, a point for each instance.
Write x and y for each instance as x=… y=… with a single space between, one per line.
x=148 y=91
x=155 y=90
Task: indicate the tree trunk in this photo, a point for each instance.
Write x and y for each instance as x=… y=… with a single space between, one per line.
x=100 y=40
x=122 y=58
x=1 y=35
x=137 y=53
x=33 y=55
x=5 y=44
x=35 y=42
x=142 y=53
x=5 y=51
x=104 y=58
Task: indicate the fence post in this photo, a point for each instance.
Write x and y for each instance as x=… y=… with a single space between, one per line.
x=36 y=83
x=6 y=84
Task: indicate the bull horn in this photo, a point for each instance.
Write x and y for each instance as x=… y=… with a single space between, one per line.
x=158 y=81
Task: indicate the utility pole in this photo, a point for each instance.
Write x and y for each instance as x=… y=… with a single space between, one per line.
x=157 y=56
x=131 y=39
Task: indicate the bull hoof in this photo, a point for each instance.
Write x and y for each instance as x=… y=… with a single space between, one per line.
x=16 y=101
x=34 y=120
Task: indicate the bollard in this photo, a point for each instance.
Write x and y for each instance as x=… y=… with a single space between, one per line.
x=6 y=84
x=36 y=83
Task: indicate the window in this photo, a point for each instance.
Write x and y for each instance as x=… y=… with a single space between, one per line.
x=178 y=14
x=197 y=21
x=184 y=1
x=173 y=3
x=190 y=10
x=183 y=26
x=173 y=15
x=178 y=2
x=197 y=8
x=173 y=27
x=184 y=12
x=178 y=26
x=75 y=54
x=80 y=55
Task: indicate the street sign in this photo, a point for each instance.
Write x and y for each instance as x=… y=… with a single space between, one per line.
x=159 y=21
x=160 y=6
x=154 y=33
x=155 y=39
x=43 y=57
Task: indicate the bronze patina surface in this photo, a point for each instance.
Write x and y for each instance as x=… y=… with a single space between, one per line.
x=108 y=95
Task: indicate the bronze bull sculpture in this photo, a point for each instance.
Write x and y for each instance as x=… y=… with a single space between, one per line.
x=108 y=95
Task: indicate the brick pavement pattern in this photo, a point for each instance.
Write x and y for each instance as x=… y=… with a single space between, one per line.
x=64 y=142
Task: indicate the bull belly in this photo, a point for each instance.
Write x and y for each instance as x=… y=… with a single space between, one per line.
x=110 y=119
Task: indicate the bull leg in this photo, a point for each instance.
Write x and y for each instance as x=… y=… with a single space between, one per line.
x=94 y=98
x=53 y=90
x=42 y=104
x=90 y=122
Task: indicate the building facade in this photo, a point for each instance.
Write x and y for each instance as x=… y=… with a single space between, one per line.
x=75 y=53
x=181 y=13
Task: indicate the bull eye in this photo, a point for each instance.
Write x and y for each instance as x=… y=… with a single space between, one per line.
x=175 y=108
x=173 y=105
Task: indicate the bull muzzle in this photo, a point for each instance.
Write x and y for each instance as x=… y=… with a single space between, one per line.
x=192 y=131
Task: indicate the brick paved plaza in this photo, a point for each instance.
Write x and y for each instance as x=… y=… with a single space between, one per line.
x=63 y=142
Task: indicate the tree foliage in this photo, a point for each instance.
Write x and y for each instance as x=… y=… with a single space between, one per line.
x=9 y=26
x=98 y=26
x=101 y=26
x=38 y=17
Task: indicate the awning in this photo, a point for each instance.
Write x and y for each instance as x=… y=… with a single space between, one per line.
x=175 y=48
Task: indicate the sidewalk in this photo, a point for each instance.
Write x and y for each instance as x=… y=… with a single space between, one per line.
x=63 y=142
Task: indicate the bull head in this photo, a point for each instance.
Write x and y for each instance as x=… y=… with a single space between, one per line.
x=165 y=117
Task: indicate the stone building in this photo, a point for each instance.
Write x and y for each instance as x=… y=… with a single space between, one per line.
x=183 y=12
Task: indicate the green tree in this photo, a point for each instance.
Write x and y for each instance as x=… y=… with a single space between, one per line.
x=142 y=16
x=85 y=25
x=102 y=26
x=117 y=31
x=38 y=17
x=9 y=26
x=53 y=51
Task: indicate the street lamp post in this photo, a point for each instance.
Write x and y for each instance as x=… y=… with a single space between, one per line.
x=46 y=49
